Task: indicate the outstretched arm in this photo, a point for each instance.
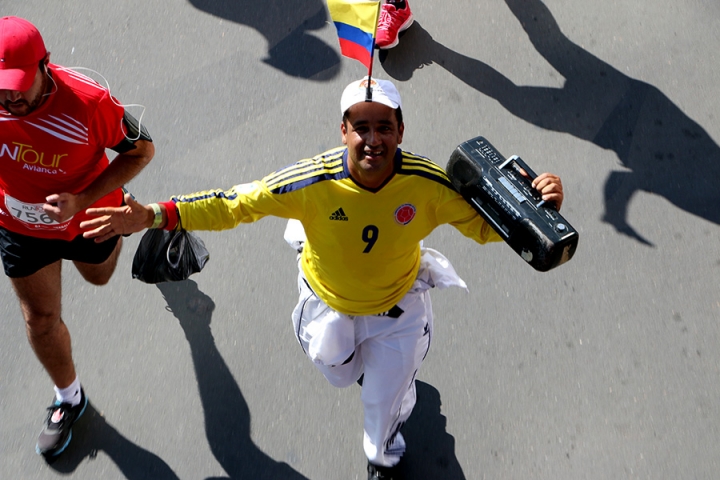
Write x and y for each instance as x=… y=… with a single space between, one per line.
x=111 y=221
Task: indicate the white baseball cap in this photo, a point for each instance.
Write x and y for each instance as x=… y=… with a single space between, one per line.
x=383 y=91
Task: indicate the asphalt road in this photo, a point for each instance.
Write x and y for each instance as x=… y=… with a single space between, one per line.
x=604 y=368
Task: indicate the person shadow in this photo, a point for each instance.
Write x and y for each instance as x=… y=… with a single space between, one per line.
x=93 y=434
x=285 y=26
x=662 y=150
x=227 y=416
x=430 y=449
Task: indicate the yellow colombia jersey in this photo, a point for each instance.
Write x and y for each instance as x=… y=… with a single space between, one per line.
x=362 y=252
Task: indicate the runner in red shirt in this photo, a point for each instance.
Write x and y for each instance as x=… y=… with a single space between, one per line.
x=56 y=125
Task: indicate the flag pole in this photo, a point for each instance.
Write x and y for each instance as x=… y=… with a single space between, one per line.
x=368 y=92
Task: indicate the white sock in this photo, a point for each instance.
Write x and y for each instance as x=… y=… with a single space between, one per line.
x=69 y=394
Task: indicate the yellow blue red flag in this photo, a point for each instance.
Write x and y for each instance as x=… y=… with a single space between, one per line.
x=356 y=24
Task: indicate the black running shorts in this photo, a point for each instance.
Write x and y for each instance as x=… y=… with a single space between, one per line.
x=23 y=255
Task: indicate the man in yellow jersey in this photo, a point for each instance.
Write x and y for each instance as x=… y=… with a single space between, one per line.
x=358 y=216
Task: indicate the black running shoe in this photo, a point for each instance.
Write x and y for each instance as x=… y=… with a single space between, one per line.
x=376 y=472
x=57 y=431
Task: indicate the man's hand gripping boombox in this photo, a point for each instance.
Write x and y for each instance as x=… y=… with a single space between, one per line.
x=505 y=198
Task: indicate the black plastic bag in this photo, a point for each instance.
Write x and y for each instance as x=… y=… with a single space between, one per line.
x=168 y=256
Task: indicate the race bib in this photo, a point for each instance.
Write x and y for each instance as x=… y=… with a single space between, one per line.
x=32 y=214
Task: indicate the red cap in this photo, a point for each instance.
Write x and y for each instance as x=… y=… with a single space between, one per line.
x=21 y=49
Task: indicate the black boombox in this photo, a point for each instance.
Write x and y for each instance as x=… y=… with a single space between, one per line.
x=505 y=198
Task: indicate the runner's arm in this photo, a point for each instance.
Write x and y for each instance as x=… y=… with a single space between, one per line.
x=125 y=166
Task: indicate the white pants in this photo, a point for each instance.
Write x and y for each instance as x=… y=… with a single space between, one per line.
x=386 y=351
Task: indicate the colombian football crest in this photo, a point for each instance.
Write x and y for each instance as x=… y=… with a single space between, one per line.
x=405 y=213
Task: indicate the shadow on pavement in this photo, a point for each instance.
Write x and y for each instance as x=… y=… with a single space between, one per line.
x=430 y=449
x=286 y=26
x=227 y=416
x=92 y=434
x=661 y=150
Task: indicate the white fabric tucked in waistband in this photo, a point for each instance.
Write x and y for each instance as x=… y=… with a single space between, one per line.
x=436 y=271
x=332 y=338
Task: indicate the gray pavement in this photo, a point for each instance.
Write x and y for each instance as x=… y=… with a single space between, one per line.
x=604 y=368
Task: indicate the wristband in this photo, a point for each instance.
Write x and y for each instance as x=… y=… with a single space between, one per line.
x=173 y=217
x=158 y=215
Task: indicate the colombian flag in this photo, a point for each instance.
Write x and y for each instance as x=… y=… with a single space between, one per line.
x=356 y=23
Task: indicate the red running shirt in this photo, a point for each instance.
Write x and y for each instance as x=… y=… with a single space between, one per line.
x=60 y=147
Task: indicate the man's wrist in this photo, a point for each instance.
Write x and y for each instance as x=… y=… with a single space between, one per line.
x=81 y=201
x=156 y=218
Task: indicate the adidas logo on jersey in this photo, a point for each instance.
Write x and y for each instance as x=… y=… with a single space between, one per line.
x=339 y=214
